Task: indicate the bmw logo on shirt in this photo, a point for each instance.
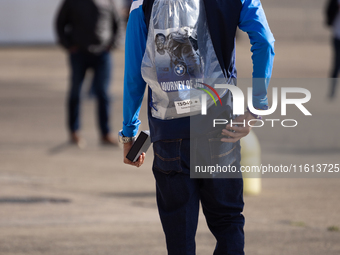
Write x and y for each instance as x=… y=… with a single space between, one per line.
x=179 y=69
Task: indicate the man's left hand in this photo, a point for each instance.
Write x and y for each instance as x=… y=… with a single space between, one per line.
x=239 y=131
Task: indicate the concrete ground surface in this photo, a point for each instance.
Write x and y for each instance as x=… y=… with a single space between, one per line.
x=59 y=199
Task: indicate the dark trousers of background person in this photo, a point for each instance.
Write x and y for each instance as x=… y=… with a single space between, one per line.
x=80 y=62
x=336 y=67
x=178 y=196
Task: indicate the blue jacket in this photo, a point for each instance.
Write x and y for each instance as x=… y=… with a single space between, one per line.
x=223 y=17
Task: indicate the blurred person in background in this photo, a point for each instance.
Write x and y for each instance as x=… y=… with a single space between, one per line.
x=333 y=20
x=126 y=9
x=88 y=29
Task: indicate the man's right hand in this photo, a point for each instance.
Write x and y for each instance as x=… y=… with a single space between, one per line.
x=139 y=162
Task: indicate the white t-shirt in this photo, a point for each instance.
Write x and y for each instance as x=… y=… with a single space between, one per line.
x=336 y=25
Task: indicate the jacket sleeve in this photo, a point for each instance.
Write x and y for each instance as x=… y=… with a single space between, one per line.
x=134 y=85
x=253 y=21
x=62 y=21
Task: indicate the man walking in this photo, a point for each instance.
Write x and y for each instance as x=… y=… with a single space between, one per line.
x=181 y=137
x=87 y=29
x=333 y=20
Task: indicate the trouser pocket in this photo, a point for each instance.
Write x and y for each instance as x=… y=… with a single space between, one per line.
x=167 y=157
x=223 y=153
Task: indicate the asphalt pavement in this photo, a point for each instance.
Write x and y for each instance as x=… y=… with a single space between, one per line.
x=58 y=199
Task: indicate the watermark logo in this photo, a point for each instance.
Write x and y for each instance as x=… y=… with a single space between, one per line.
x=208 y=92
x=239 y=102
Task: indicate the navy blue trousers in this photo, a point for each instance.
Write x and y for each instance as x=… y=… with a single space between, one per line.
x=335 y=67
x=80 y=62
x=178 y=198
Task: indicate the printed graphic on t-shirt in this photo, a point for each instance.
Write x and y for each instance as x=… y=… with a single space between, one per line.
x=177 y=59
